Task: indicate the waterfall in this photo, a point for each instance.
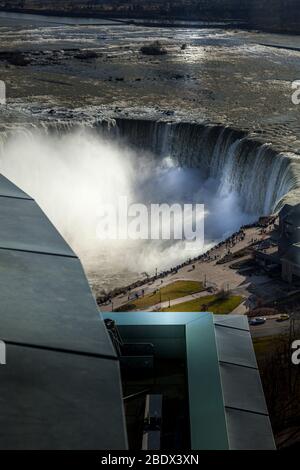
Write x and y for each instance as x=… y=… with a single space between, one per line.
x=72 y=172
x=264 y=179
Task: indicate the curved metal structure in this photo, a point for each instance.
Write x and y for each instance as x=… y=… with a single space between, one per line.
x=60 y=387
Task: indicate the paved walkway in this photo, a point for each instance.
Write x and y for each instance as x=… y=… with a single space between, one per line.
x=221 y=276
x=181 y=300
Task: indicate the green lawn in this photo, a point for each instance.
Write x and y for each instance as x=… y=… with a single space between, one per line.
x=172 y=291
x=209 y=303
x=268 y=344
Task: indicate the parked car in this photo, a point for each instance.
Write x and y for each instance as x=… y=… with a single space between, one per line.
x=283 y=317
x=257 y=321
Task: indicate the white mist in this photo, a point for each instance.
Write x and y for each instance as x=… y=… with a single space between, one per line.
x=71 y=176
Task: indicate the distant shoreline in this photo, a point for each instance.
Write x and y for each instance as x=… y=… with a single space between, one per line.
x=155 y=21
x=61 y=14
x=137 y=20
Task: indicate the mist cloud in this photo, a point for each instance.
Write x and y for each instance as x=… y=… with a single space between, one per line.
x=71 y=176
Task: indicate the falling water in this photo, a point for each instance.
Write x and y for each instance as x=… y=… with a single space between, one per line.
x=262 y=177
x=236 y=177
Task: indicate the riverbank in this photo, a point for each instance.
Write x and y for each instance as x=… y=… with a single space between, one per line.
x=150 y=21
x=251 y=15
x=215 y=270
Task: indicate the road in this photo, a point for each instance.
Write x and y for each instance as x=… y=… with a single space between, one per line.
x=270 y=328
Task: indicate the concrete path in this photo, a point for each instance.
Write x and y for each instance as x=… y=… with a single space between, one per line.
x=181 y=300
x=218 y=275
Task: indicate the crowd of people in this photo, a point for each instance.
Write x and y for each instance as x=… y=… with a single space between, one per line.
x=211 y=255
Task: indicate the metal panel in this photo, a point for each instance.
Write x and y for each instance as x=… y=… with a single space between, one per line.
x=45 y=299
x=235 y=346
x=25 y=227
x=207 y=416
x=52 y=400
x=249 y=431
x=242 y=388
x=247 y=419
x=154 y=318
x=8 y=189
x=232 y=321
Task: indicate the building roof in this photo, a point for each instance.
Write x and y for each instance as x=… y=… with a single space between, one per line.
x=293 y=254
x=291 y=214
x=226 y=399
x=285 y=210
x=61 y=384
